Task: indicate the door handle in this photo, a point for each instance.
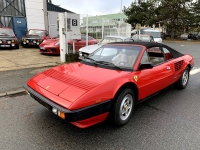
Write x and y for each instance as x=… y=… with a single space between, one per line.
x=168 y=68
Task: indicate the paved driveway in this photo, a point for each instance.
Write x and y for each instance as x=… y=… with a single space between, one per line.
x=25 y=58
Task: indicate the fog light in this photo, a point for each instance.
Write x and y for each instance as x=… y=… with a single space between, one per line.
x=24 y=42
x=13 y=41
x=9 y=42
x=55 y=111
x=27 y=41
x=13 y=45
x=61 y=114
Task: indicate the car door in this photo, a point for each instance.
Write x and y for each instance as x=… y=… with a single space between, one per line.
x=80 y=43
x=155 y=79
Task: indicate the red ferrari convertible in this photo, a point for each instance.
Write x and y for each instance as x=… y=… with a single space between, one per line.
x=110 y=82
x=52 y=46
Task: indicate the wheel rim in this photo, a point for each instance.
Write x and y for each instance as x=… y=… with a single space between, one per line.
x=185 y=77
x=126 y=107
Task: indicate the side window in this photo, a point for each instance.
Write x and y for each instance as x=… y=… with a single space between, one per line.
x=167 y=54
x=155 y=55
x=145 y=58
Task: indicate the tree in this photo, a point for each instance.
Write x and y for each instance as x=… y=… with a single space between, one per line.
x=142 y=12
x=176 y=15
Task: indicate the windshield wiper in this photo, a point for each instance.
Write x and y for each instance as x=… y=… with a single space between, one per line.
x=109 y=63
x=94 y=61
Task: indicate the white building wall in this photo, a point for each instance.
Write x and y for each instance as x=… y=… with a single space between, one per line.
x=53 y=26
x=35 y=14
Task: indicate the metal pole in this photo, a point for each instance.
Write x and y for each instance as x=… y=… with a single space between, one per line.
x=87 y=30
x=102 y=28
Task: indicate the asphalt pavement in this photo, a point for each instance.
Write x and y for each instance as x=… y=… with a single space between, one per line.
x=19 y=65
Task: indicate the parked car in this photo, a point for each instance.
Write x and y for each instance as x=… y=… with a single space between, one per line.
x=155 y=33
x=52 y=46
x=143 y=38
x=184 y=36
x=85 y=51
x=34 y=37
x=193 y=36
x=8 y=38
x=110 y=82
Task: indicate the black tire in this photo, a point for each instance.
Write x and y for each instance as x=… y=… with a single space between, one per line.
x=183 y=81
x=123 y=107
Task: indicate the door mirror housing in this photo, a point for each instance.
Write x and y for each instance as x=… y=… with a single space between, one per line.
x=145 y=65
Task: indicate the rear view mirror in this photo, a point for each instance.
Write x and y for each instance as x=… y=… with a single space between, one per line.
x=146 y=65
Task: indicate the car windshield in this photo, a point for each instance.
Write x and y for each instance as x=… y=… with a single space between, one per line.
x=115 y=56
x=154 y=34
x=110 y=39
x=6 y=32
x=143 y=38
x=36 y=32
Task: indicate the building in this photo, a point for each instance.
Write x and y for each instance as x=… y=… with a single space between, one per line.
x=95 y=23
x=22 y=15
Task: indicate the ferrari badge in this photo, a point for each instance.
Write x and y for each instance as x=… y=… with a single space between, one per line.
x=136 y=78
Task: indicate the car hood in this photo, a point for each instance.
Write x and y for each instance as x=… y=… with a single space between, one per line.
x=73 y=80
x=49 y=42
x=32 y=37
x=7 y=38
x=89 y=49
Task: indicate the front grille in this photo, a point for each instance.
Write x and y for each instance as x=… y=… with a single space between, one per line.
x=53 y=49
x=178 y=65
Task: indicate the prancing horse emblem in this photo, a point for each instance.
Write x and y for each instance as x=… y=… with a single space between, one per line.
x=136 y=78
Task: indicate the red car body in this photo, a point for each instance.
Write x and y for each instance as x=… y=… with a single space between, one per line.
x=8 y=39
x=34 y=37
x=86 y=93
x=52 y=46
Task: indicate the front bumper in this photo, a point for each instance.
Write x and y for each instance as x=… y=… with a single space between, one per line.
x=71 y=115
x=50 y=50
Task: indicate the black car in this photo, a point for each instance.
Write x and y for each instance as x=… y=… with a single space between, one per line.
x=34 y=37
x=8 y=39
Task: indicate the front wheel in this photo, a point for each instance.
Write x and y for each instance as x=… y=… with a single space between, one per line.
x=183 y=81
x=123 y=107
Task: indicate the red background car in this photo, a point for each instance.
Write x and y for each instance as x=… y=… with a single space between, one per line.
x=52 y=46
x=8 y=38
x=34 y=37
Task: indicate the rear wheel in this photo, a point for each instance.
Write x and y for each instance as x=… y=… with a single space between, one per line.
x=183 y=81
x=123 y=107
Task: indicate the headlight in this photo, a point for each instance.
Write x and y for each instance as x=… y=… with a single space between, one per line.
x=58 y=43
x=34 y=41
x=0 y=41
x=9 y=42
x=27 y=41
x=80 y=54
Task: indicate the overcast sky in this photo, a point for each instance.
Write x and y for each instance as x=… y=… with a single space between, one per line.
x=93 y=7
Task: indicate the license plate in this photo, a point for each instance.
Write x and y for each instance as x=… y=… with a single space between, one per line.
x=42 y=48
x=5 y=45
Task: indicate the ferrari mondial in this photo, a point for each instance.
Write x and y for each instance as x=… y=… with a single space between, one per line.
x=110 y=82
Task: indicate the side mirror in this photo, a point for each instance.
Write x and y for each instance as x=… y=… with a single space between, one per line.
x=146 y=65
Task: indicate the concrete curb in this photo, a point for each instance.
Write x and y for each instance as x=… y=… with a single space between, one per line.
x=14 y=92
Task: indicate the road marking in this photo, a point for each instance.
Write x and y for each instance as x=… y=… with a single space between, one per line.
x=194 y=71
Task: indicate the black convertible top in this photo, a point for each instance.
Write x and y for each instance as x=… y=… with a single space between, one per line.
x=174 y=53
